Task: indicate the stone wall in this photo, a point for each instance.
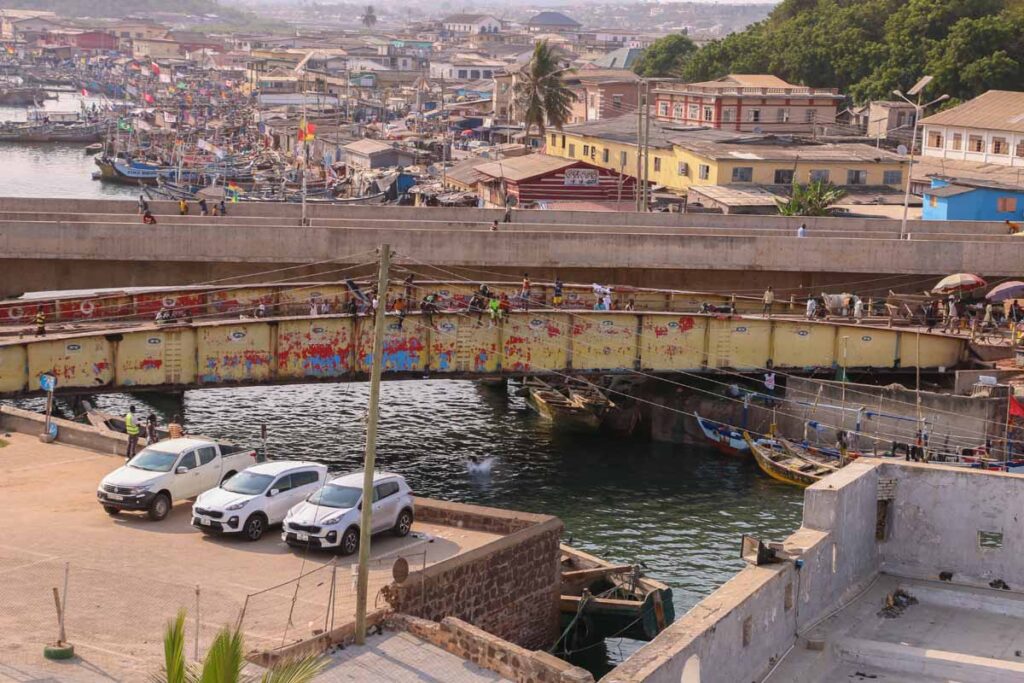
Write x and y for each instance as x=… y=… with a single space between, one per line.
x=508 y=587
x=490 y=652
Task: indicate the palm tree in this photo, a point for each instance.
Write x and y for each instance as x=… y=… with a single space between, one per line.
x=541 y=95
x=369 y=17
x=225 y=660
x=812 y=199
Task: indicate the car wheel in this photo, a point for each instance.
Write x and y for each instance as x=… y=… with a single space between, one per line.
x=254 y=527
x=159 y=508
x=349 y=541
x=111 y=510
x=403 y=524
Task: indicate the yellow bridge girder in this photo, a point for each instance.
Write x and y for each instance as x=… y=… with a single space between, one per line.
x=338 y=347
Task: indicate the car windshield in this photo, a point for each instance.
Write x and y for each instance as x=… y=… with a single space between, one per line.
x=153 y=460
x=336 y=496
x=248 y=483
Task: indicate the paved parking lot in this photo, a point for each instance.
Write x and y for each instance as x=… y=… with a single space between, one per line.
x=128 y=575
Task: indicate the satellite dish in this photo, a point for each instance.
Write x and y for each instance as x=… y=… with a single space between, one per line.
x=902 y=150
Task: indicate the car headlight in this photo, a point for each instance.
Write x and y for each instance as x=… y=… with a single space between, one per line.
x=333 y=519
x=237 y=506
x=138 y=490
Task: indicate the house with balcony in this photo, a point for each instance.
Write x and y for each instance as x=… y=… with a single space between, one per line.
x=986 y=130
x=759 y=103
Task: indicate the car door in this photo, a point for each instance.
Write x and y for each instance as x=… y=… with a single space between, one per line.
x=303 y=484
x=385 y=505
x=278 y=505
x=186 y=483
x=209 y=468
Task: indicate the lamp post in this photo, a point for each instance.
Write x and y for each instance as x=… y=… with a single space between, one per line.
x=918 y=108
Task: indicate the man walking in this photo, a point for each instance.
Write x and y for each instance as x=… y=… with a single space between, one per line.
x=768 y=300
x=131 y=428
x=40 y=323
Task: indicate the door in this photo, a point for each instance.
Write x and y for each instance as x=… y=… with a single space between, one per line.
x=303 y=484
x=278 y=506
x=186 y=484
x=385 y=505
x=209 y=468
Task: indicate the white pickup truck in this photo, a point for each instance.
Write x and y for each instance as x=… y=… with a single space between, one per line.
x=169 y=471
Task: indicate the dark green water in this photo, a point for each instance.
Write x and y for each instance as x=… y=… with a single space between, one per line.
x=680 y=510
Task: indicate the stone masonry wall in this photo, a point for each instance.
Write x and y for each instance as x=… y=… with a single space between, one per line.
x=508 y=587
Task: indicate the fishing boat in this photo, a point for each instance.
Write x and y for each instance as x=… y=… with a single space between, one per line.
x=724 y=438
x=601 y=600
x=592 y=398
x=126 y=171
x=94 y=148
x=563 y=411
x=788 y=463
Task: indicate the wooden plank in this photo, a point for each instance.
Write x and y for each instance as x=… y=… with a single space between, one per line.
x=596 y=572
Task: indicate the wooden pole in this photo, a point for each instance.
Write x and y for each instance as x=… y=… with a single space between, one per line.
x=365 y=531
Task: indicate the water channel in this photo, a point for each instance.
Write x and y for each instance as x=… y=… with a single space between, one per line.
x=680 y=510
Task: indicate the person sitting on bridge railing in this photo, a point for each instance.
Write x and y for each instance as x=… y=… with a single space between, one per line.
x=429 y=307
x=148 y=218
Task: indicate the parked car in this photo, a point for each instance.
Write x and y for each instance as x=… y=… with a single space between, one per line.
x=330 y=517
x=256 y=498
x=169 y=471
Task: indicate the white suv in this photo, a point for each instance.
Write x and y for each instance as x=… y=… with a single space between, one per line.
x=330 y=517
x=256 y=498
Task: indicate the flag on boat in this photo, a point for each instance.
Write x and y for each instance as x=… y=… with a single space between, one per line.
x=307 y=131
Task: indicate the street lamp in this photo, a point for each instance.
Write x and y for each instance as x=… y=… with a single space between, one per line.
x=918 y=108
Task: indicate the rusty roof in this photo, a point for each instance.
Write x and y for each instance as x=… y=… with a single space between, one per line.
x=525 y=167
x=993 y=110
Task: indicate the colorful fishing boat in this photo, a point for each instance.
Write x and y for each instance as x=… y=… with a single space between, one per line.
x=724 y=438
x=788 y=463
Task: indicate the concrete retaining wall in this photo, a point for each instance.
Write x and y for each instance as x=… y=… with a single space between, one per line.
x=508 y=587
x=71 y=433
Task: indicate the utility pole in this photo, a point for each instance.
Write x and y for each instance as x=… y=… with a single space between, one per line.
x=647 y=146
x=641 y=105
x=365 y=532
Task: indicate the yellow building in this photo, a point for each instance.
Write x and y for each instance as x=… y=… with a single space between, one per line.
x=680 y=158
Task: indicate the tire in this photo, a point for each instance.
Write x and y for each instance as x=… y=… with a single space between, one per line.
x=349 y=541
x=403 y=524
x=159 y=508
x=59 y=651
x=254 y=527
x=111 y=510
x=228 y=476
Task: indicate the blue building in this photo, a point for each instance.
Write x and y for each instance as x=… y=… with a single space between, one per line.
x=956 y=199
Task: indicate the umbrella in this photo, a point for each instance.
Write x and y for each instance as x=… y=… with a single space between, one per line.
x=1014 y=289
x=958 y=282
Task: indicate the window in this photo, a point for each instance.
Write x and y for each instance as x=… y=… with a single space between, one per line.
x=285 y=483
x=1020 y=149
x=854 y=177
x=304 y=478
x=820 y=176
x=563 y=142
x=684 y=168
x=743 y=174
x=754 y=115
x=623 y=156
x=933 y=201
x=999 y=146
x=958 y=141
x=657 y=164
x=975 y=143
x=662 y=108
x=1006 y=204
x=727 y=115
x=572 y=150
x=677 y=112
x=810 y=115
x=782 y=115
x=935 y=139
x=604 y=155
x=892 y=178
x=388 y=488
x=462 y=73
x=704 y=171
x=554 y=139
x=206 y=455
x=616 y=101
x=188 y=461
x=709 y=114
x=693 y=113
x=586 y=150
x=783 y=176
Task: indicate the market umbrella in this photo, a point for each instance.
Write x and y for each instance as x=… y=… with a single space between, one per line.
x=958 y=282
x=1014 y=289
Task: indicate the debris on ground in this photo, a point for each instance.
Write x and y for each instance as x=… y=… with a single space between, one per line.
x=999 y=584
x=896 y=602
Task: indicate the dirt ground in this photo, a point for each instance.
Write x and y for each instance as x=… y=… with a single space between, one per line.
x=127 y=576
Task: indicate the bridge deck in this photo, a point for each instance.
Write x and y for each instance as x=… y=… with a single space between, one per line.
x=338 y=348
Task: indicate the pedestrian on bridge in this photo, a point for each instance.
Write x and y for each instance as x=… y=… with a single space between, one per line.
x=812 y=307
x=182 y=207
x=524 y=294
x=143 y=205
x=768 y=299
x=148 y=218
x=802 y=230
x=204 y=210
x=40 y=323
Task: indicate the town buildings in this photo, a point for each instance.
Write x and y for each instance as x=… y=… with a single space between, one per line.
x=988 y=129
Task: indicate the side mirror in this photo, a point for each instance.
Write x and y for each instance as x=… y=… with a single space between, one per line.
x=181 y=470
x=273 y=492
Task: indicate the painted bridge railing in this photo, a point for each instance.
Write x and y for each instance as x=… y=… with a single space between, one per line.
x=268 y=351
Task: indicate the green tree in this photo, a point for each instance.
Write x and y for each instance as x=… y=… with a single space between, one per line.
x=369 y=17
x=224 y=661
x=541 y=95
x=666 y=56
x=812 y=199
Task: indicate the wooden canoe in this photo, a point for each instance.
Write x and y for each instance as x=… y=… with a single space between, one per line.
x=725 y=439
x=563 y=411
x=782 y=465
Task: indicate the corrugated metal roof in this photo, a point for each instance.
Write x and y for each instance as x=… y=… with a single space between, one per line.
x=524 y=168
x=367 y=146
x=948 y=191
x=993 y=110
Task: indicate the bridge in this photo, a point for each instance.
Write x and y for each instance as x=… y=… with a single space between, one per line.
x=48 y=244
x=453 y=345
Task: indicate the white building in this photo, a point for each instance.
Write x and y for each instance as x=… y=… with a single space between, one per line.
x=472 y=23
x=988 y=129
x=465 y=67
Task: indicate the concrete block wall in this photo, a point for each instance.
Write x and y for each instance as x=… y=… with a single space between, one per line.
x=68 y=432
x=490 y=652
x=508 y=587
